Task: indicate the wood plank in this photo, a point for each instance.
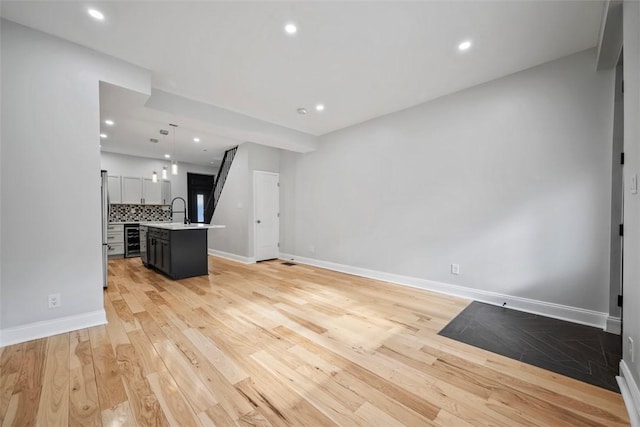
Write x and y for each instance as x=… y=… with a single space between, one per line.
x=152 y=320
x=10 y=364
x=111 y=391
x=198 y=394
x=447 y=419
x=172 y=401
x=54 y=399
x=84 y=407
x=218 y=358
x=115 y=325
x=143 y=402
x=125 y=315
x=374 y=417
x=278 y=403
x=216 y=417
x=132 y=303
x=120 y=416
x=322 y=400
x=223 y=391
x=332 y=367
x=23 y=407
x=8 y=382
x=148 y=358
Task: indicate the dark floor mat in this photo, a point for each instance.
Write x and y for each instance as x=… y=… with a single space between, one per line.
x=289 y=264
x=582 y=352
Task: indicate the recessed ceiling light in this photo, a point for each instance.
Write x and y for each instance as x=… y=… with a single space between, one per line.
x=96 y=14
x=103 y=135
x=167 y=156
x=302 y=110
x=155 y=141
x=319 y=107
x=464 y=45
x=108 y=122
x=290 y=29
x=196 y=139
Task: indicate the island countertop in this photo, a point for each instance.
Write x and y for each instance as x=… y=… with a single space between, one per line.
x=177 y=226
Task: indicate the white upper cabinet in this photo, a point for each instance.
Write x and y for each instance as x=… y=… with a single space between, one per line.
x=115 y=189
x=151 y=192
x=139 y=191
x=166 y=192
x=131 y=190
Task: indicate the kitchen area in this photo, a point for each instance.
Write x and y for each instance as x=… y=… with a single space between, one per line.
x=141 y=218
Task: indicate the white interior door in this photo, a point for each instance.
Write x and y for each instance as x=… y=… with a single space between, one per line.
x=266 y=202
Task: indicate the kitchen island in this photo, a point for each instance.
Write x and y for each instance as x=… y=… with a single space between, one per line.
x=175 y=249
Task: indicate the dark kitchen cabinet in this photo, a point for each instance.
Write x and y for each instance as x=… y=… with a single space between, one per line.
x=165 y=256
x=177 y=253
x=159 y=254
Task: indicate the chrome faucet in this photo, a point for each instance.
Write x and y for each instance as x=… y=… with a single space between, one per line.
x=184 y=205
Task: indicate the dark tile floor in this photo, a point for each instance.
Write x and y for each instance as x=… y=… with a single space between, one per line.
x=582 y=352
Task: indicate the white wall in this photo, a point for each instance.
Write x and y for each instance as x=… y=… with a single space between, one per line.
x=235 y=208
x=50 y=181
x=123 y=165
x=510 y=179
x=631 y=309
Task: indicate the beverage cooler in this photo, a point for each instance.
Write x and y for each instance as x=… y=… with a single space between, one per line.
x=131 y=240
x=143 y=244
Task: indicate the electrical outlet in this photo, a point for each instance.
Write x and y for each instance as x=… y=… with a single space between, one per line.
x=455 y=268
x=632 y=353
x=54 y=301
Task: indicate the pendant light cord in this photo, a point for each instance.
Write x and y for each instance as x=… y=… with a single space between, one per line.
x=174 y=162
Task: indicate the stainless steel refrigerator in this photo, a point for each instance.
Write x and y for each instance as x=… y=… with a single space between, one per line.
x=105 y=219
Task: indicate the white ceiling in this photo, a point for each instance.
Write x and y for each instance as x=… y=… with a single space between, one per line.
x=135 y=125
x=360 y=59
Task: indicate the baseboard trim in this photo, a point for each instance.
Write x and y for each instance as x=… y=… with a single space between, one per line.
x=614 y=325
x=51 y=327
x=630 y=393
x=232 y=257
x=557 y=311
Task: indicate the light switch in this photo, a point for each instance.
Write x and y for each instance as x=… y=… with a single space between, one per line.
x=634 y=183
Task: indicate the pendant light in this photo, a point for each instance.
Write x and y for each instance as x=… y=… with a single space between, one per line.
x=174 y=162
x=154 y=176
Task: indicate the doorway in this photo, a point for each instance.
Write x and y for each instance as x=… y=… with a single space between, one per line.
x=617 y=203
x=199 y=189
x=266 y=215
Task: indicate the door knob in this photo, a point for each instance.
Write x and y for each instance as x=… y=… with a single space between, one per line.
x=258 y=221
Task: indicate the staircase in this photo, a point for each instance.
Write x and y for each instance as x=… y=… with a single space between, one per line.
x=219 y=184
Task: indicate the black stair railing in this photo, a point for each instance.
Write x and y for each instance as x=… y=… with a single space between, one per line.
x=216 y=191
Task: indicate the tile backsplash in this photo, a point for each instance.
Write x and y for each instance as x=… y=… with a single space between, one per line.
x=139 y=213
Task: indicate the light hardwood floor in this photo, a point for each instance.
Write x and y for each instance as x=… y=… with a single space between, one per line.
x=267 y=344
